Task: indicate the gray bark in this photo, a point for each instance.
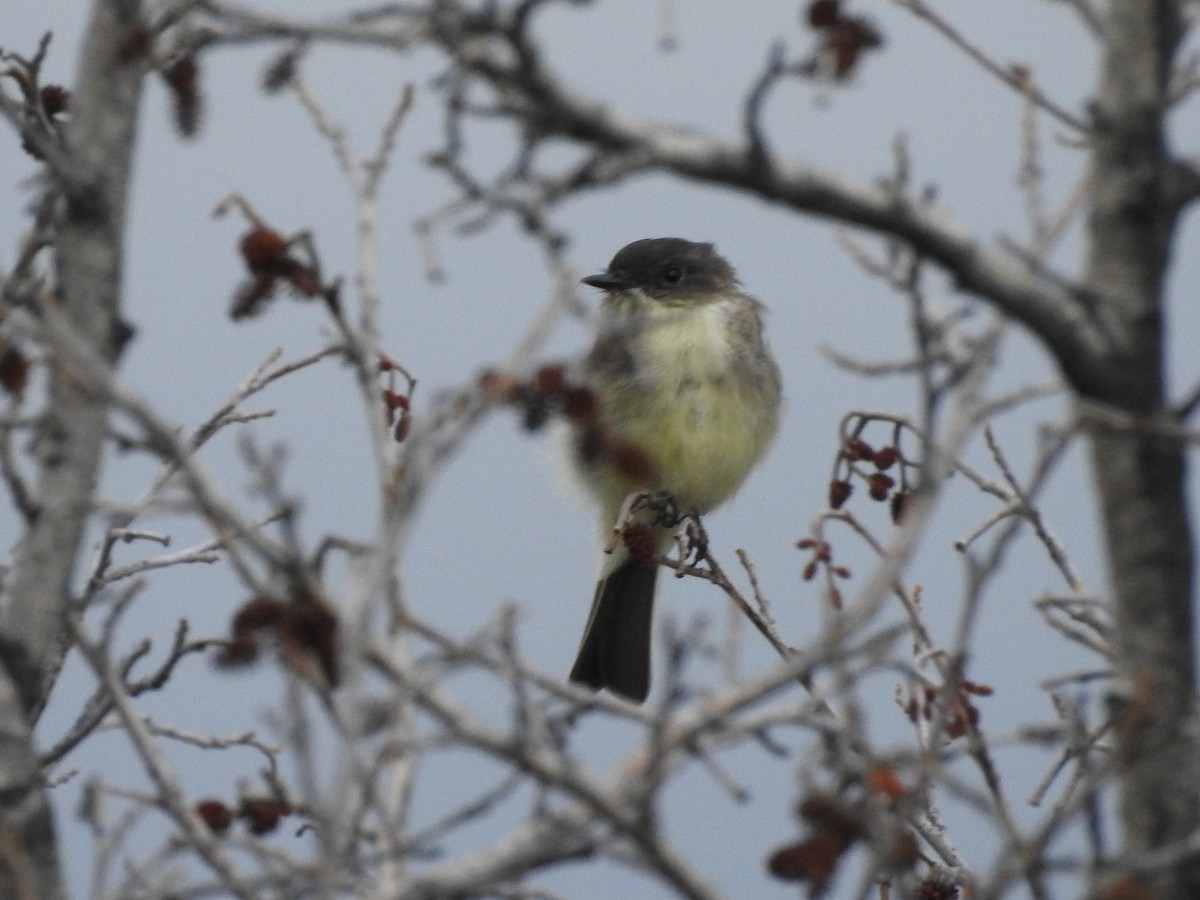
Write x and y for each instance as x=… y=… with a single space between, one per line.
x=91 y=180
x=1141 y=474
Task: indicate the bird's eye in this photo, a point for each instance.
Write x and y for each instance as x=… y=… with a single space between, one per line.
x=672 y=274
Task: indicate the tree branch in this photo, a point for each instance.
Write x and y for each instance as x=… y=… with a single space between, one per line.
x=99 y=146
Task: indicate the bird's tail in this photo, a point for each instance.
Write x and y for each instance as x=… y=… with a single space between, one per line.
x=615 y=651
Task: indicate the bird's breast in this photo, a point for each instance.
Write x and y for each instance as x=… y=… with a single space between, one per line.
x=696 y=400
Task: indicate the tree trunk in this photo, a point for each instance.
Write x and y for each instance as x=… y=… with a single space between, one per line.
x=90 y=180
x=1140 y=471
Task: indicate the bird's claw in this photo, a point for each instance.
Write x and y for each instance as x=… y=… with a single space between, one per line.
x=691 y=540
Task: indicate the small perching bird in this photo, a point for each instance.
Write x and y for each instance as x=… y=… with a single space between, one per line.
x=687 y=400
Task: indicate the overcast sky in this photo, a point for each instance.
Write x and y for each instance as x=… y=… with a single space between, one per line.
x=501 y=525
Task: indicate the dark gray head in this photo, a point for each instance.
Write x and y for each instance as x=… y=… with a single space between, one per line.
x=667 y=267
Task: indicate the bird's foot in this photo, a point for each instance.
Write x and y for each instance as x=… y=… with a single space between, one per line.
x=691 y=540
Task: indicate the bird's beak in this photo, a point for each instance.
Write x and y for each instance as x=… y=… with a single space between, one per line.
x=607 y=281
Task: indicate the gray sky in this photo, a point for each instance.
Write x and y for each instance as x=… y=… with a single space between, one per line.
x=500 y=527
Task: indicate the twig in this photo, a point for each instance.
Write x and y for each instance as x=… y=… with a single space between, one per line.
x=1015 y=80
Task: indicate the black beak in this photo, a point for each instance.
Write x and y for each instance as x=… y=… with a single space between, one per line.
x=607 y=281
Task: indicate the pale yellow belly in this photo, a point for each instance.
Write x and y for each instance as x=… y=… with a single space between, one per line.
x=695 y=409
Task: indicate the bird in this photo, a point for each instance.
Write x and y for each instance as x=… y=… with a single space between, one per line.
x=687 y=401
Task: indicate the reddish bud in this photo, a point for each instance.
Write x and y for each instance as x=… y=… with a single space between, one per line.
x=403 y=425
x=884 y=780
x=973 y=687
x=262 y=814
x=846 y=49
x=215 y=814
x=182 y=74
x=885 y=458
x=841 y=571
x=857 y=449
x=814 y=860
x=845 y=39
x=264 y=611
x=810 y=570
x=824 y=13
x=312 y=626
x=183 y=77
x=395 y=400
x=550 y=380
x=899 y=503
x=14 y=370
x=880 y=485
x=262 y=249
x=239 y=651
x=55 y=99
x=839 y=493
x=962 y=717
